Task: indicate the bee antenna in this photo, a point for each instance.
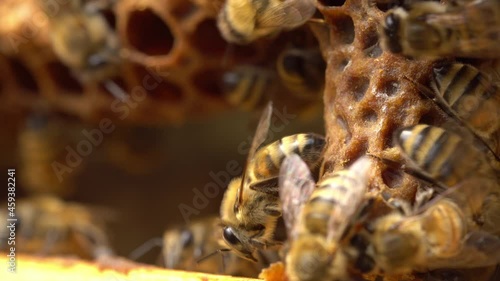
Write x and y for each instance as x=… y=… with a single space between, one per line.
x=116 y=90
x=212 y=254
x=145 y=247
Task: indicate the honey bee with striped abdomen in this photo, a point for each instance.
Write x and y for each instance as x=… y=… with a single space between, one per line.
x=47 y=225
x=243 y=21
x=319 y=219
x=302 y=71
x=251 y=205
x=440 y=156
x=446 y=232
x=249 y=87
x=430 y=29
x=184 y=246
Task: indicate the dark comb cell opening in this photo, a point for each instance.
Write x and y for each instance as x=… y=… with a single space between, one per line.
x=359 y=86
x=374 y=51
x=392 y=178
x=331 y=3
x=62 y=77
x=209 y=82
x=23 y=76
x=148 y=33
x=343 y=64
x=369 y=116
x=208 y=40
x=370 y=45
x=343 y=28
x=158 y=88
x=389 y=87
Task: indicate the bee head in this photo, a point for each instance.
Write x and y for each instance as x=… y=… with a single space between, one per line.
x=391 y=27
x=241 y=247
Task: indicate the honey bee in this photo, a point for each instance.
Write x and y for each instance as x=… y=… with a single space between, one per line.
x=41 y=144
x=251 y=206
x=243 y=21
x=320 y=220
x=83 y=40
x=302 y=72
x=430 y=29
x=249 y=87
x=184 y=246
x=441 y=157
x=470 y=97
x=445 y=233
x=49 y=226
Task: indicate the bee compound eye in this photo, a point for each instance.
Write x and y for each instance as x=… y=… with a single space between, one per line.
x=391 y=22
x=187 y=238
x=229 y=236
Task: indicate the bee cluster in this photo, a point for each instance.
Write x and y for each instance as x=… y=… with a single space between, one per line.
x=405 y=184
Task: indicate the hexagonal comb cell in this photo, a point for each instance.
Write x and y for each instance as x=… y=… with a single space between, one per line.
x=148 y=33
x=160 y=89
x=209 y=81
x=343 y=28
x=63 y=78
x=24 y=77
x=331 y=3
x=208 y=40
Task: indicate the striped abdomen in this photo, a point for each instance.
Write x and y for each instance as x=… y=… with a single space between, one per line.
x=302 y=72
x=470 y=96
x=248 y=86
x=335 y=201
x=440 y=155
x=267 y=160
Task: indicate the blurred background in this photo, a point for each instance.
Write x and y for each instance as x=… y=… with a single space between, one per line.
x=144 y=192
x=158 y=72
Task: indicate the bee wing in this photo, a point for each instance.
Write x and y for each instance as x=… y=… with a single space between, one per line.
x=480 y=249
x=344 y=211
x=484 y=43
x=261 y=131
x=258 y=139
x=289 y=14
x=296 y=186
x=469 y=194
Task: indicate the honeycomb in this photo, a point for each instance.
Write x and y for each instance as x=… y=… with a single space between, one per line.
x=366 y=99
x=174 y=41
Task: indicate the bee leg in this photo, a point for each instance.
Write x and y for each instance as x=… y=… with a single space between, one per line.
x=269 y=186
x=398 y=204
x=423 y=196
x=272 y=210
x=258 y=244
x=51 y=238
